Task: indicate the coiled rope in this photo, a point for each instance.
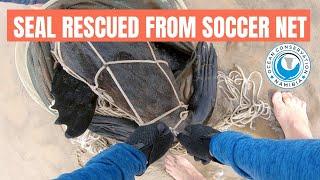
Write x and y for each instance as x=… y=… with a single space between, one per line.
x=245 y=105
x=243 y=95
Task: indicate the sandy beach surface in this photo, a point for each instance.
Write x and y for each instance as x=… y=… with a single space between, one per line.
x=32 y=147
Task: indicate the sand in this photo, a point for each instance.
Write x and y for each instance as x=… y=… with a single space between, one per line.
x=251 y=55
x=32 y=147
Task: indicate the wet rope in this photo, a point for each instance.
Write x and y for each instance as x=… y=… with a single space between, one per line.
x=243 y=95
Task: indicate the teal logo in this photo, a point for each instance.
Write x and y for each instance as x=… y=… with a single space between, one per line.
x=288 y=66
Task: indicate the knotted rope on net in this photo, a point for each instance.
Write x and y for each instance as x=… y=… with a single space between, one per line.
x=243 y=94
x=105 y=104
x=38 y=87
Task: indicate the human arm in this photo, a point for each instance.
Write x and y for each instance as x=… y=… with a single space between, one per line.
x=254 y=158
x=258 y=158
x=121 y=161
x=126 y=160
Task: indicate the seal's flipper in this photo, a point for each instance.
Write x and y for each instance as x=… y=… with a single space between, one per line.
x=113 y=127
x=204 y=82
x=74 y=101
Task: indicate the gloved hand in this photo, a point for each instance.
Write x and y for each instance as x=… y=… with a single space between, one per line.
x=196 y=140
x=153 y=140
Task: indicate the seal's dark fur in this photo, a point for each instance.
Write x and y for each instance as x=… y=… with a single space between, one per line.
x=144 y=84
x=74 y=101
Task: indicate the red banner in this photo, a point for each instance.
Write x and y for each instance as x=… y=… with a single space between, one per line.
x=158 y=25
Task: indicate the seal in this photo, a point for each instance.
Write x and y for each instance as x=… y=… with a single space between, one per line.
x=140 y=79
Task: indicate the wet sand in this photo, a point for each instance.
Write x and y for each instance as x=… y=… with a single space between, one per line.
x=34 y=148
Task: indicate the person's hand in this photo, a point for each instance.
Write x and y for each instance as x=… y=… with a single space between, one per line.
x=153 y=140
x=196 y=140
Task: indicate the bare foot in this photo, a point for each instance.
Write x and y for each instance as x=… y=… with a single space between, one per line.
x=181 y=169
x=291 y=112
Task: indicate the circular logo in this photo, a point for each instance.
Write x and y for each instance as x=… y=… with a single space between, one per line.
x=287 y=66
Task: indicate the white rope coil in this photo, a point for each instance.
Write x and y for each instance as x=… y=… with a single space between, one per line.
x=243 y=95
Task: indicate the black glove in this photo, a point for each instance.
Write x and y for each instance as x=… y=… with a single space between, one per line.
x=153 y=140
x=196 y=140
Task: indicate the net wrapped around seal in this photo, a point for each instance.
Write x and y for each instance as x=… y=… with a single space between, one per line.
x=92 y=64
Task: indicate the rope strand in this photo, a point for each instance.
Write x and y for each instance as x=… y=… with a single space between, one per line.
x=242 y=93
x=90 y=141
